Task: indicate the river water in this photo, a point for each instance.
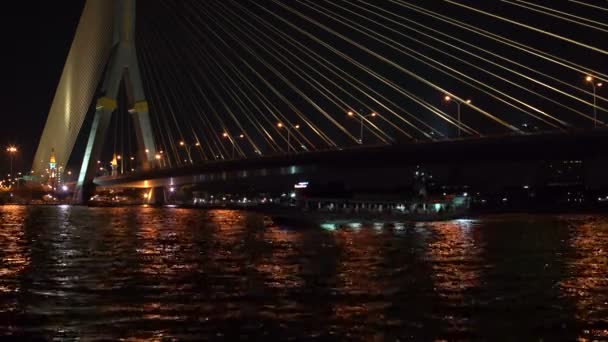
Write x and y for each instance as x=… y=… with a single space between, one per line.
x=160 y=274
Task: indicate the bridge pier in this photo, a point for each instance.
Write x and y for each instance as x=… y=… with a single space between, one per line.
x=157 y=196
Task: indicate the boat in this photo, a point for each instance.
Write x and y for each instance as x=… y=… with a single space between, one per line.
x=299 y=216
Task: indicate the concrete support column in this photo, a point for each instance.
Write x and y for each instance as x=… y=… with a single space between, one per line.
x=103 y=115
x=158 y=196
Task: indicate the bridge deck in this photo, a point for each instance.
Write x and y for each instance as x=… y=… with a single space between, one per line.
x=546 y=146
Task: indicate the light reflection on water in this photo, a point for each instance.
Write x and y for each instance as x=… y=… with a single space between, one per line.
x=587 y=281
x=153 y=274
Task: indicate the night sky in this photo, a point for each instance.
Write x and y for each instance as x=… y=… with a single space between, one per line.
x=179 y=50
x=37 y=37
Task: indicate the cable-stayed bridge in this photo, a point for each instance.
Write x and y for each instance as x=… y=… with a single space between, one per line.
x=192 y=85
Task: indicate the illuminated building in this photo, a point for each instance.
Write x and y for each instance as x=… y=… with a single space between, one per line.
x=53 y=170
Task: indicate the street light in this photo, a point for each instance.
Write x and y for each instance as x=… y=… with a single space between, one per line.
x=281 y=125
x=11 y=152
x=458 y=102
x=591 y=80
x=229 y=137
x=187 y=147
x=122 y=164
x=158 y=157
x=363 y=118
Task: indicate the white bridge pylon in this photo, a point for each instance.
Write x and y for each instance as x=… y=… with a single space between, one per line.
x=122 y=67
x=104 y=40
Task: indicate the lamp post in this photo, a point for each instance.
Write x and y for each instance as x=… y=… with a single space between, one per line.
x=158 y=158
x=232 y=141
x=594 y=85
x=363 y=118
x=122 y=164
x=448 y=99
x=11 y=152
x=187 y=147
x=288 y=128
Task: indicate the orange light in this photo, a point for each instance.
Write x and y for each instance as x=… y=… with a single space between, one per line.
x=589 y=79
x=374 y=114
x=448 y=98
x=280 y=125
x=351 y=113
x=157 y=156
x=241 y=136
x=297 y=126
x=469 y=101
x=181 y=143
x=225 y=135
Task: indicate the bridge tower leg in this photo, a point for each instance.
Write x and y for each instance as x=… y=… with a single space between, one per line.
x=122 y=67
x=101 y=121
x=158 y=196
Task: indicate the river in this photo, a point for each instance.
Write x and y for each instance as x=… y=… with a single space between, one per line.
x=140 y=273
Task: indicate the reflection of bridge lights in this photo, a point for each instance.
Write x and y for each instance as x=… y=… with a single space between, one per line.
x=466 y=224
x=64 y=188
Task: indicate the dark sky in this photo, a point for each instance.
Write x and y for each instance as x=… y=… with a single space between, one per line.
x=36 y=39
x=179 y=50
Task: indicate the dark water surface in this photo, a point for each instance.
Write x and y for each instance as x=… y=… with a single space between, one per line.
x=156 y=274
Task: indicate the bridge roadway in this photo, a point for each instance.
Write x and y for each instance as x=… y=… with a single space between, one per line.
x=579 y=145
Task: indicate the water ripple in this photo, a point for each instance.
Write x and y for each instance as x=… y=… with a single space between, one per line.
x=157 y=274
